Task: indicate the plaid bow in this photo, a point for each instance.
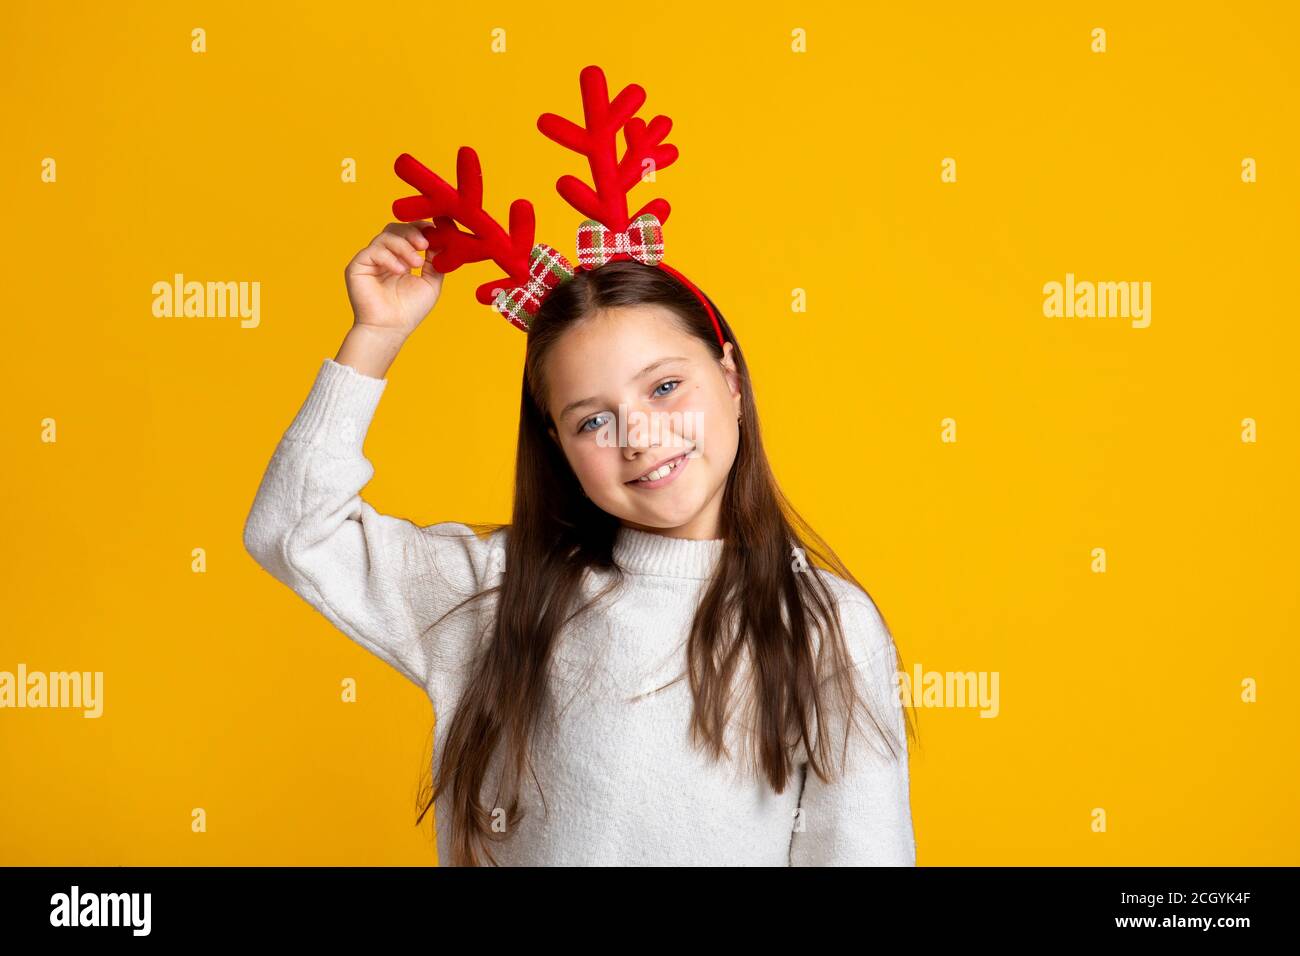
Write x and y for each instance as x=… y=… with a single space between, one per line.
x=643 y=240
x=546 y=269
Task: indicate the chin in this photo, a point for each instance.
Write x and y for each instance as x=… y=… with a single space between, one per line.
x=665 y=517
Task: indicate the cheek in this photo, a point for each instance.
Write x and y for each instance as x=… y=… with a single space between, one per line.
x=719 y=424
x=592 y=464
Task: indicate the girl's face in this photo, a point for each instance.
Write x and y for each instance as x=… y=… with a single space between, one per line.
x=631 y=392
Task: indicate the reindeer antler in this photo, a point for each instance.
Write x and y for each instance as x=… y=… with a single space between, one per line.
x=612 y=177
x=533 y=270
x=447 y=206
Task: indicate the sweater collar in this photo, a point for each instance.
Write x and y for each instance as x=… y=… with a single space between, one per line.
x=641 y=552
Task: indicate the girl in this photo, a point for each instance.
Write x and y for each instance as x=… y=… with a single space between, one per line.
x=643 y=667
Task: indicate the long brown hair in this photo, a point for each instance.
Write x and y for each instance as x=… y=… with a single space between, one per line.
x=757 y=608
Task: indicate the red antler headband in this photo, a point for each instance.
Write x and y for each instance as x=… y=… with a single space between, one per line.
x=607 y=234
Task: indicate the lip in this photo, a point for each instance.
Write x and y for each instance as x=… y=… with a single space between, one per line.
x=682 y=461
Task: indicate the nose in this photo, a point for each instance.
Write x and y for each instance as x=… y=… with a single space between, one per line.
x=636 y=444
x=640 y=436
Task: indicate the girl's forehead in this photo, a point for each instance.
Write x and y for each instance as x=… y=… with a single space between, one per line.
x=615 y=340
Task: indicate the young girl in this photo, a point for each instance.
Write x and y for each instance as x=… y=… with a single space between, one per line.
x=645 y=666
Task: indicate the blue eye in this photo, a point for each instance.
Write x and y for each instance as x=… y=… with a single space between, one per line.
x=596 y=418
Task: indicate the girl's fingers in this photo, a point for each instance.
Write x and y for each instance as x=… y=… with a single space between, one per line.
x=385 y=257
x=401 y=248
x=412 y=232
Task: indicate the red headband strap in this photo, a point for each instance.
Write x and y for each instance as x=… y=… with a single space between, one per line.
x=704 y=301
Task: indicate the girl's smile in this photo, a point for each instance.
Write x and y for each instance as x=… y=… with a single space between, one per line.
x=675 y=467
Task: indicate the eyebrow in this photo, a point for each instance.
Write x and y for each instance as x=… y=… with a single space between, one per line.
x=641 y=374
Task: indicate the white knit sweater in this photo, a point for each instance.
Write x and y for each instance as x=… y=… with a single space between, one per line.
x=621 y=783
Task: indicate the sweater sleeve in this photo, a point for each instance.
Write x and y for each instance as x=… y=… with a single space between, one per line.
x=382 y=580
x=863 y=815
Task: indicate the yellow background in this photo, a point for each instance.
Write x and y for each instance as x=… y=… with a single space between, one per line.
x=818 y=171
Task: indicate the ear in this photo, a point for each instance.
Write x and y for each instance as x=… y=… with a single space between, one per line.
x=728 y=363
x=555 y=436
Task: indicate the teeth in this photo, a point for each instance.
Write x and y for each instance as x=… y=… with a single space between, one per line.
x=659 y=472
